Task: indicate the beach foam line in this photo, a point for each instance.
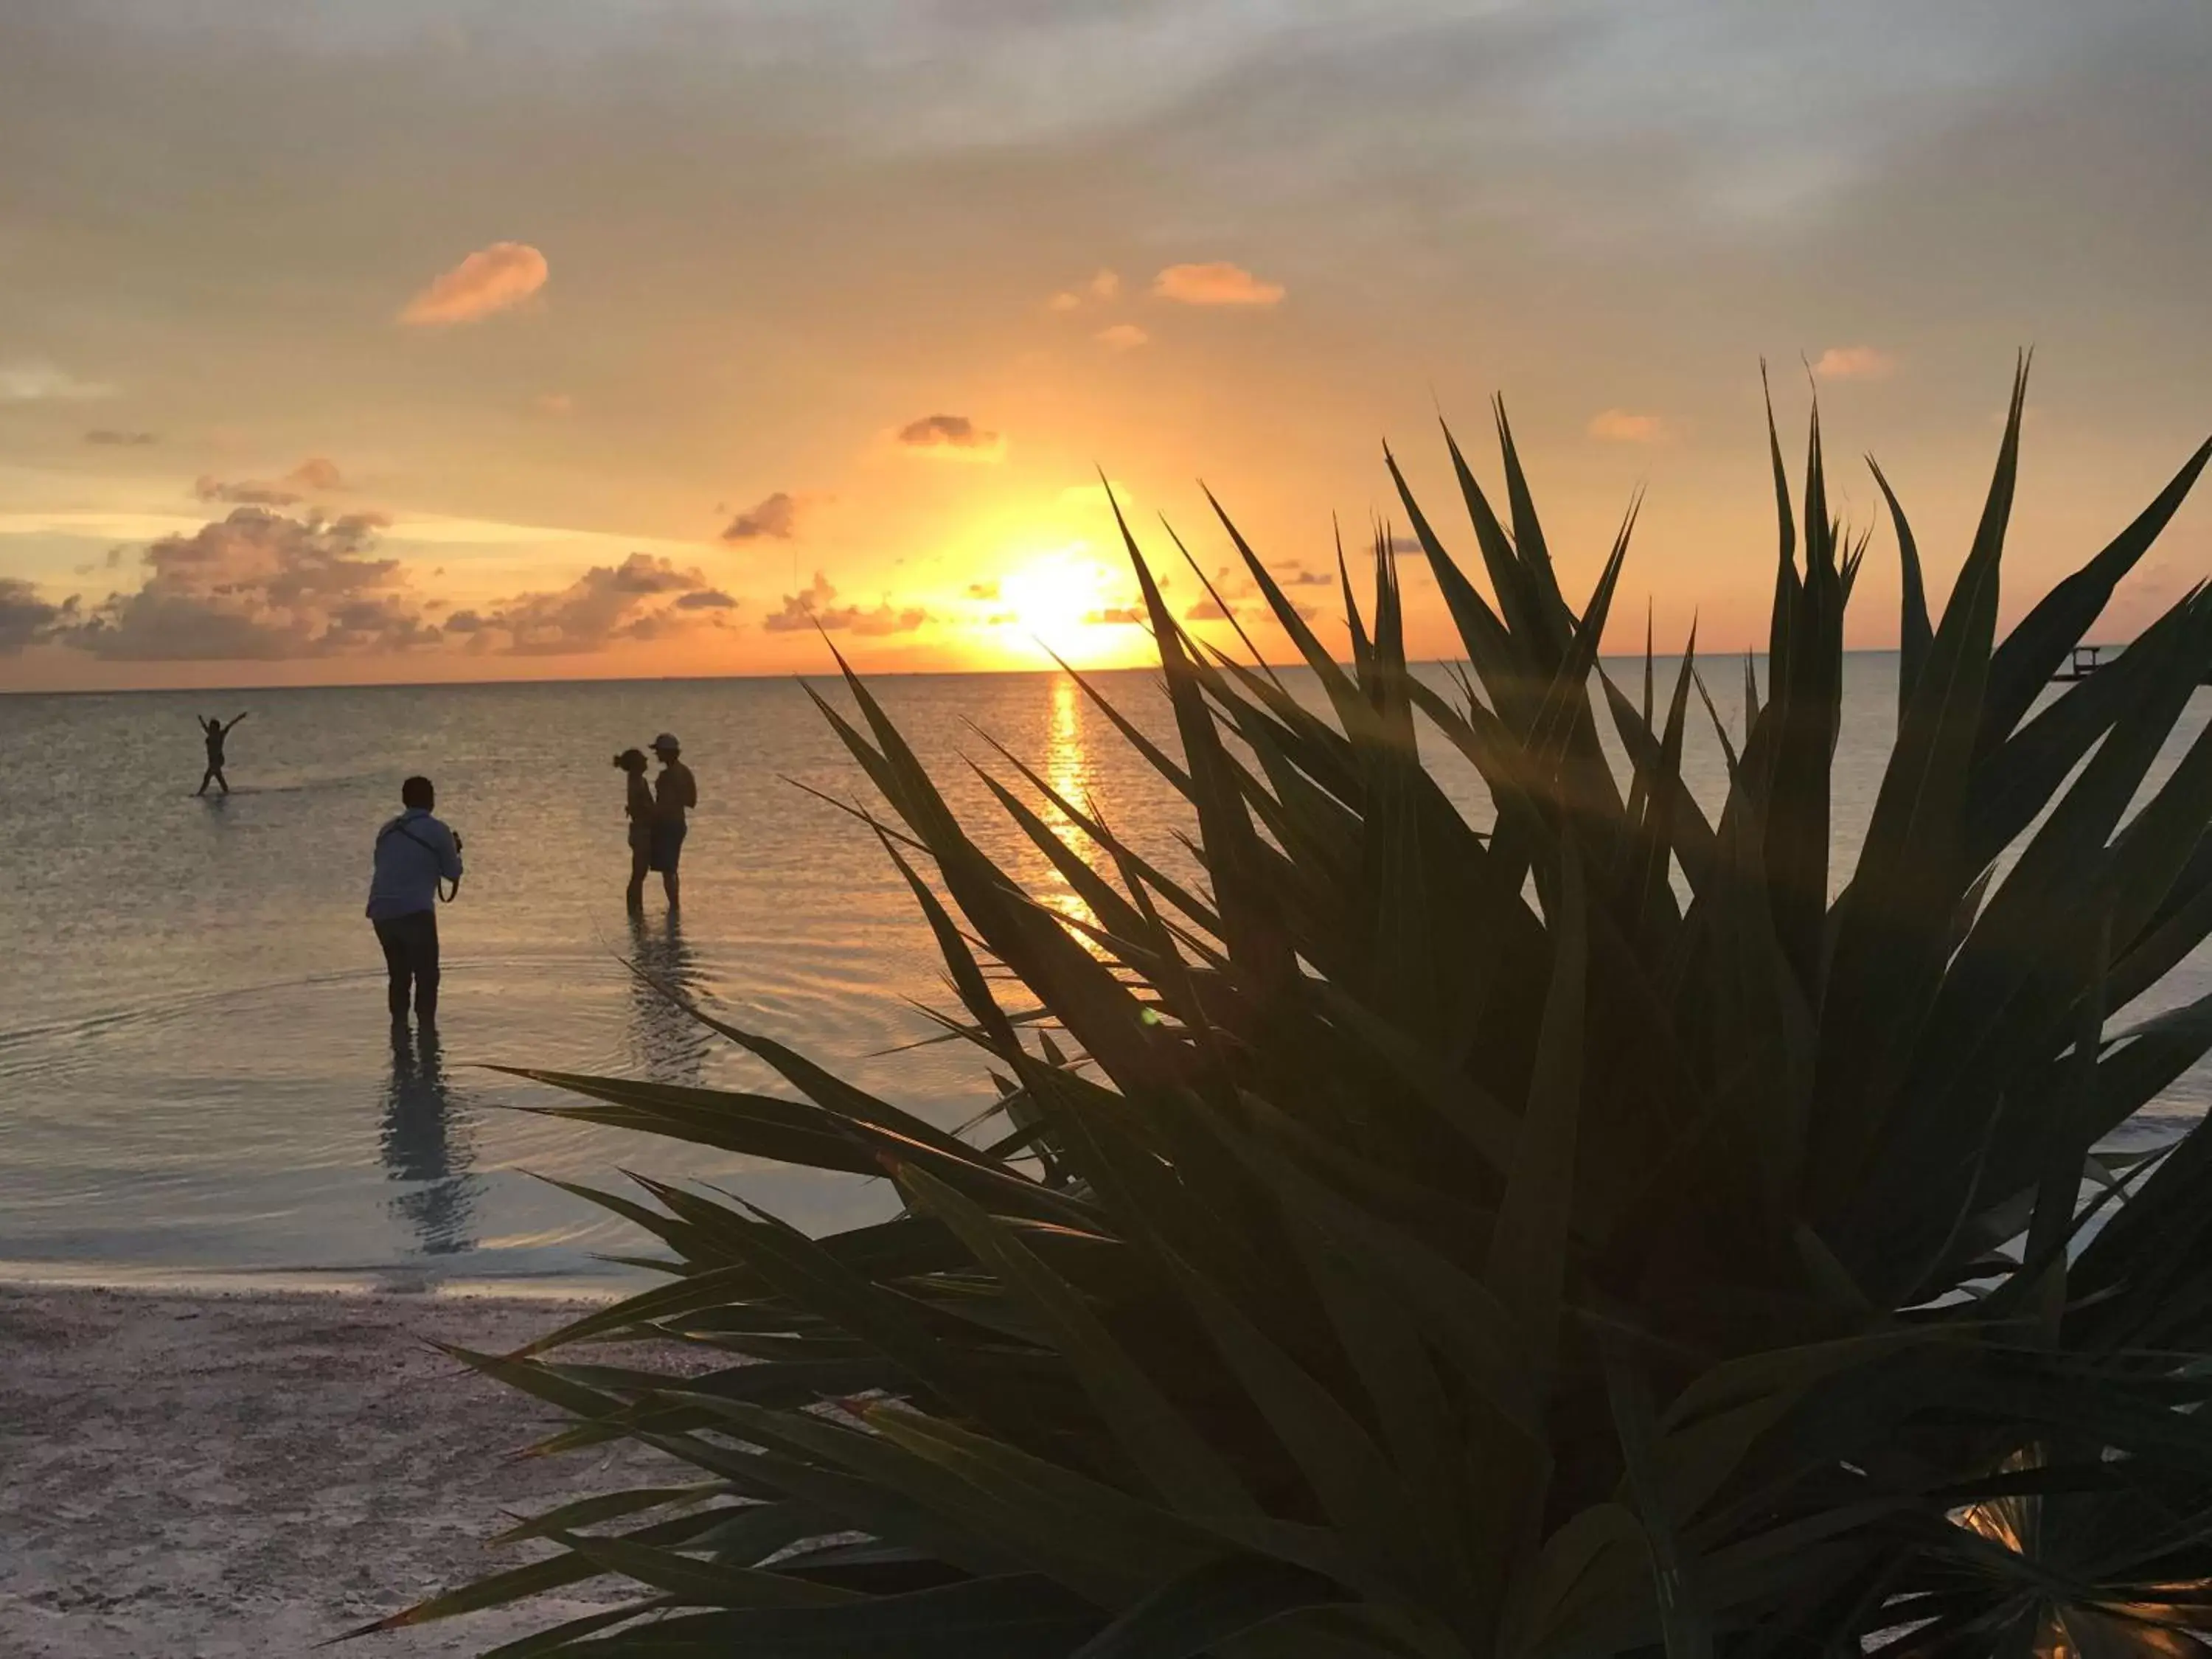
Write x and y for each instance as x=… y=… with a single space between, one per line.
x=399 y=1279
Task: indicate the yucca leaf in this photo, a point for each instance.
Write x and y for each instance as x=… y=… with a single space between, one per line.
x=1527 y=534
x=1787 y=585
x=2032 y=651
x=1527 y=1267
x=1340 y=691
x=1367 y=1501
x=1658 y=759
x=1363 y=652
x=1720 y=726
x=1688 y=1634
x=1177 y=1462
x=559 y=1637
x=703 y=1584
x=1254 y=937
x=1016 y=1617
x=554 y=1573
x=1383 y=1343
x=1117 y=915
x=967 y=981
x=2013 y=784
x=1916 y=636
x=1805 y=693
x=1513 y=678
x=1532 y=615
x=2179 y=924
x=1390 y=1181
x=1595 y=1559
x=1215 y=1604
x=609 y=1506
x=790 y=1132
x=1911 y=870
x=813 y=1498
x=1095 y=827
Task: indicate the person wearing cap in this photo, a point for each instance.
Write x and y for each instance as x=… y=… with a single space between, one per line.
x=674 y=792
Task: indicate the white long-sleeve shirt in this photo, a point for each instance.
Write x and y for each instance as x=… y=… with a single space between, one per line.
x=413 y=852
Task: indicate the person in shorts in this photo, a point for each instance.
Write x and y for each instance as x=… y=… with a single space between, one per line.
x=674 y=793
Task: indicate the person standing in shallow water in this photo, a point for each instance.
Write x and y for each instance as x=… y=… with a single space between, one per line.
x=214 y=731
x=674 y=793
x=414 y=853
x=638 y=808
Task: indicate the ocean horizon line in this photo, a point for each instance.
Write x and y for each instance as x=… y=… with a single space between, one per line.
x=831 y=676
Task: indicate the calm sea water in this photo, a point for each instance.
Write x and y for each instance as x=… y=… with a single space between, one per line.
x=196 y=1075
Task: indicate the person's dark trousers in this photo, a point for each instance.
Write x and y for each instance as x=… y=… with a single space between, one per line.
x=410 y=953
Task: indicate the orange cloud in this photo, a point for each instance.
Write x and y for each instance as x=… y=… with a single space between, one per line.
x=817 y=608
x=952 y=437
x=317 y=472
x=1619 y=426
x=556 y=402
x=316 y=476
x=1857 y=363
x=259 y=586
x=491 y=279
x=773 y=518
x=1218 y=284
x=27 y=620
x=1099 y=289
x=642 y=598
x=247 y=492
x=1122 y=337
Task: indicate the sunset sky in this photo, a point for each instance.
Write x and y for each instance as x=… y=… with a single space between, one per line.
x=401 y=341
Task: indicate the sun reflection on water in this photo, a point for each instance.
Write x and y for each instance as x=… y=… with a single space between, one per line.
x=1066 y=768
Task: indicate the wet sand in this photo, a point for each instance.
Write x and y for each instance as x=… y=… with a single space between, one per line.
x=218 y=1476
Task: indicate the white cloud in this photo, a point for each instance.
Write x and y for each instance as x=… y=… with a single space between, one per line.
x=1856 y=363
x=40 y=382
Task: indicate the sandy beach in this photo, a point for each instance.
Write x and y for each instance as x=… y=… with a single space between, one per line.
x=215 y=1476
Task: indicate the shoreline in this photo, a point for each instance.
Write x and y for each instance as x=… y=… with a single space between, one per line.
x=244 y=1474
x=553 y=1289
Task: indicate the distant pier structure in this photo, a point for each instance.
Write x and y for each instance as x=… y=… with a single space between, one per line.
x=2086 y=660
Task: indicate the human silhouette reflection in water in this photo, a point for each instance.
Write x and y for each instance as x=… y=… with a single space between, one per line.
x=426 y=1143
x=667 y=1043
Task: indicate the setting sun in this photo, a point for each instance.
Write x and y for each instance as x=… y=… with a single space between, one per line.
x=1070 y=601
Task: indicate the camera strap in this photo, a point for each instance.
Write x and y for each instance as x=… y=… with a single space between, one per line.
x=399 y=825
